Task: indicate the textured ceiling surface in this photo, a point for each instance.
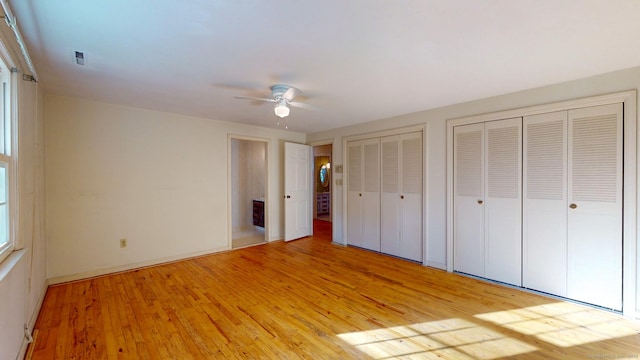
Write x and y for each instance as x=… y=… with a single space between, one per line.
x=354 y=60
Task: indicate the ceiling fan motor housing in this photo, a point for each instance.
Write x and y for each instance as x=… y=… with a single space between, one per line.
x=284 y=92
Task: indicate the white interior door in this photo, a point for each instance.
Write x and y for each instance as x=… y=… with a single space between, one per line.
x=544 y=219
x=595 y=206
x=468 y=207
x=298 y=191
x=503 y=201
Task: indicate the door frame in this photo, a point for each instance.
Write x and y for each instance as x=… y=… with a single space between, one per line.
x=629 y=201
x=331 y=179
x=267 y=227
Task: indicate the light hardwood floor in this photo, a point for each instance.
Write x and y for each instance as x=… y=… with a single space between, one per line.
x=310 y=299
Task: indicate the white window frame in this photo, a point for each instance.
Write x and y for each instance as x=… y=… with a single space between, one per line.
x=9 y=154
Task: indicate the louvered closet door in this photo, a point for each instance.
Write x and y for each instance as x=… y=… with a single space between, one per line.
x=411 y=196
x=595 y=206
x=371 y=195
x=363 y=194
x=468 y=204
x=354 y=193
x=545 y=203
x=503 y=203
x=401 y=197
x=390 y=205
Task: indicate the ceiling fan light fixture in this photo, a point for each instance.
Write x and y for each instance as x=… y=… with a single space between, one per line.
x=281 y=109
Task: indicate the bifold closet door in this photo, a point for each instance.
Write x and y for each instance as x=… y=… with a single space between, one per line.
x=594 y=246
x=468 y=185
x=545 y=203
x=401 y=196
x=487 y=200
x=503 y=201
x=363 y=194
x=572 y=208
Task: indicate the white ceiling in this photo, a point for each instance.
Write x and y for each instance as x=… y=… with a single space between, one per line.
x=358 y=60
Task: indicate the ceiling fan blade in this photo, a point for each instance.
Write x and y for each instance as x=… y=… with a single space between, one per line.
x=291 y=93
x=303 y=105
x=254 y=98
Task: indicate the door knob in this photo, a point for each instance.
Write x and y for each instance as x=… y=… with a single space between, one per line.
x=288 y=196
x=359 y=194
x=480 y=202
x=401 y=196
x=573 y=206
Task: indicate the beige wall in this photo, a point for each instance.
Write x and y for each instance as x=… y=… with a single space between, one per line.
x=157 y=179
x=435 y=120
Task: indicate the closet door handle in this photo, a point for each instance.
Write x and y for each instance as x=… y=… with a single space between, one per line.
x=360 y=194
x=401 y=196
x=573 y=206
x=480 y=202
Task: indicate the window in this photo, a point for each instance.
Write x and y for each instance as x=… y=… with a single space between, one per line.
x=7 y=165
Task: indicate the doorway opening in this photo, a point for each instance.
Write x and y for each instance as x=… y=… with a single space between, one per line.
x=322 y=204
x=248 y=182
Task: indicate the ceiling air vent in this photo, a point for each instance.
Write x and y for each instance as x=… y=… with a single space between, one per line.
x=79 y=58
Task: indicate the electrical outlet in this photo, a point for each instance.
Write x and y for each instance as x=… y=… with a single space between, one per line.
x=123 y=243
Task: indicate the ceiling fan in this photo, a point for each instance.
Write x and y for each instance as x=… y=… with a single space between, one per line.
x=282 y=96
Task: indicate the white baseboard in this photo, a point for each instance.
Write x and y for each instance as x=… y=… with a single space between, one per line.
x=437 y=265
x=127 y=267
x=23 y=349
x=31 y=322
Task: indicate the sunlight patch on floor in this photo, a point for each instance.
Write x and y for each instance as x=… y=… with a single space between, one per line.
x=450 y=338
x=563 y=324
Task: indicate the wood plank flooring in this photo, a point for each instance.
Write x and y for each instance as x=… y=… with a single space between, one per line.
x=310 y=299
